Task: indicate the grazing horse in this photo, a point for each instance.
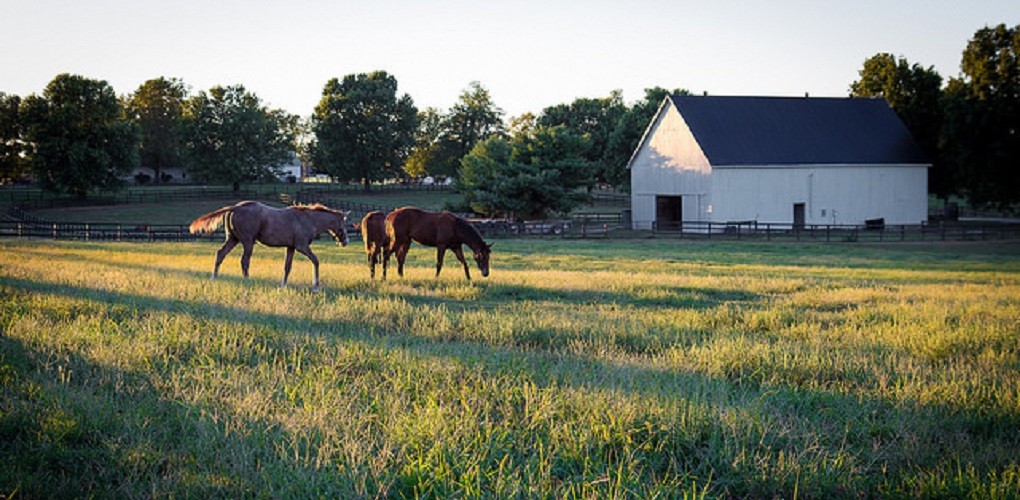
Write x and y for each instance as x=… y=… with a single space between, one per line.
x=293 y=227
x=441 y=230
x=373 y=233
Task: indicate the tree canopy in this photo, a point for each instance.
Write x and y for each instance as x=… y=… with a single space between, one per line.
x=77 y=137
x=593 y=120
x=980 y=135
x=157 y=107
x=529 y=176
x=231 y=137
x=12 y=146
x=443 y=140
x=363 y=130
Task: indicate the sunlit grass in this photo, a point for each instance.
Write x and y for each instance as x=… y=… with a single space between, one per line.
x=577 y=369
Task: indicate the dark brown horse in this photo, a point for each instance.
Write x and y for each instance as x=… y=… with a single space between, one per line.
x=292 y=227
x=373 y=233
x=442 y=230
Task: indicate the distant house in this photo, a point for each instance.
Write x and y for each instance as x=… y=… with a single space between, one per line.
x=777 y=159
x=291 y=169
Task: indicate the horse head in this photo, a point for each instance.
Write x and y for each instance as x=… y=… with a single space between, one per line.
x=482 y=258
x=338 y=228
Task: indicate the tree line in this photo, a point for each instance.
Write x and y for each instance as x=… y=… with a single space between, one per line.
x=79 y=136
x=969 y=127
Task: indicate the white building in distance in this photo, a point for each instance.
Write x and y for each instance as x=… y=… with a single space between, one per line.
x=777 y=160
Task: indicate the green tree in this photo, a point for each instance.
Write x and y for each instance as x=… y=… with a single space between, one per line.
x=982 y=117
x=627 y=132
x=594 y=120
x=231 y=137
x=522 y=125
x=13 y=165
x=430 y=148
x=915 y=93
x=473 y=118
x=531 y=176
x=158 y=109
x=78 y=138
x=363 y=130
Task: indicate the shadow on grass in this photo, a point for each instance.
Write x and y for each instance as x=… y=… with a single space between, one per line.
x=87 y=452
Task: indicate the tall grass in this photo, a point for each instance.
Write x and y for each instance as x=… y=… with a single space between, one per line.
x=578 y=369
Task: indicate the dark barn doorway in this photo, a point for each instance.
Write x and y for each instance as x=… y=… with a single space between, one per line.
x=798 y=216
x=668 y=212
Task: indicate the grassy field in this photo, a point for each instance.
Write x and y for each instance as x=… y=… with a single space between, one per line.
x=578 y=369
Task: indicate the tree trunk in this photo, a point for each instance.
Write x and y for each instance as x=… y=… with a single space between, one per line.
x=367 y=183
x=236 y=186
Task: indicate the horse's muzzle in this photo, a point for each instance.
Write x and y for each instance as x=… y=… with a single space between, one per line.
x=340 y=241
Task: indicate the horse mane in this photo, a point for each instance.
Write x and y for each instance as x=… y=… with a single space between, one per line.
x=470 y=232
x=316 y=207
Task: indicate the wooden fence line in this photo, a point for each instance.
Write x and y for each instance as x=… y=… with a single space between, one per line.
x=566 y=228
x=938 y=231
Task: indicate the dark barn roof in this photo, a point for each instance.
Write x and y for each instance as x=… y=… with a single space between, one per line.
x=736 y=131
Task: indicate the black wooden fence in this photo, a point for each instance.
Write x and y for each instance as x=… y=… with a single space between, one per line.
x=937 y=231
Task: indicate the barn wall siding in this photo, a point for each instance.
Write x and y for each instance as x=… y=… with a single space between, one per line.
x=832 y=195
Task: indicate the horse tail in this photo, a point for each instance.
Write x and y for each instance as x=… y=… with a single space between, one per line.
x=209 y=222
x=391 y=232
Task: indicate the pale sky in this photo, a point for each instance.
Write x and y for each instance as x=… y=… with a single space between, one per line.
x=529 y=54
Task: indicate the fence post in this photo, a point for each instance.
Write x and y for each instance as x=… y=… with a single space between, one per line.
x=54 y=230
x=118 y=232
x=87 y=232
x=20 y=232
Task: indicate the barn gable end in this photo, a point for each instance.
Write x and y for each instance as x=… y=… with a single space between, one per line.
x=668 y=163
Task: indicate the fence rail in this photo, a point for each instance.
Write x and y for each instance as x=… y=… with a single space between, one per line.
x=101 y=231
x=938 y=231
x=31 y=227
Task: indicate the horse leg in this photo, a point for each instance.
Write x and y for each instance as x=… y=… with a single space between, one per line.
x=386 y=252
x=460 y=256
x=307 y=252
x=286 y=265
x=373 y=259
x=221 y=254
x=401 y=256
x=246 y=257
x=440 y=253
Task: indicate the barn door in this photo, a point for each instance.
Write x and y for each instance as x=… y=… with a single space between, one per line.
x=668 y=212
x=798 y=216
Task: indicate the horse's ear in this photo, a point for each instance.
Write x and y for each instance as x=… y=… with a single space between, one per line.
x=490 y=245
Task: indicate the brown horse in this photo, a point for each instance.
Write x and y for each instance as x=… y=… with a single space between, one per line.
x=441 y=230
x=293 y=227
x=373 y=233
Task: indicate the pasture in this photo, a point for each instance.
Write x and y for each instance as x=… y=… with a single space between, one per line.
x=577 y=369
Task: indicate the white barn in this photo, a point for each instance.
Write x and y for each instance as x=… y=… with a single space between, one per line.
x=777 y=159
